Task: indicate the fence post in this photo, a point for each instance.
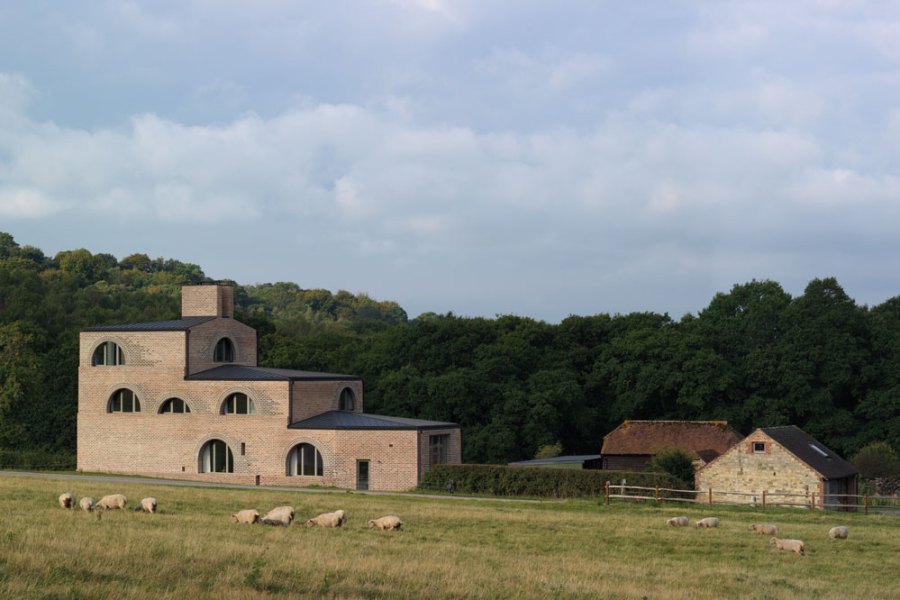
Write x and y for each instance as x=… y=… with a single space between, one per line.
x=710 y=496
x=764 y=500
x=606 y=492
x=866 y=504
x=657 y=493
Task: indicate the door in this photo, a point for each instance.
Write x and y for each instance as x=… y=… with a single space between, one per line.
x=362 y=475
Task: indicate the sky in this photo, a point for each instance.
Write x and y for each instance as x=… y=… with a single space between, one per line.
x=482 y=157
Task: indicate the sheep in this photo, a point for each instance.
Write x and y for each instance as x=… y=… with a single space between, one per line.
x=390 y=522
x=282 y=515
x=332 y=519
x=87 y=504
x=147 y=505
x=678 y=522
x=770 y=530
x=247 y=516
x=708 y=522
x=112 y=501
x=788 y=545
x=838 y=533
x=67 y=500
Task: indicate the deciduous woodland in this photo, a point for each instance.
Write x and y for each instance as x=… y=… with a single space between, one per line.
x=755 y=356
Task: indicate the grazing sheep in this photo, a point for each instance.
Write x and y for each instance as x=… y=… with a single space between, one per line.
x=332 y=519
x=838 y=533
x=282 y=515
x=387 y=523
x=87 y=504
x=247 y=516
x=147 y=505
x=678 y=522
x=789 y=545
x=708 y=522
x=67 y=500
x=112 y=501
x=764 y=529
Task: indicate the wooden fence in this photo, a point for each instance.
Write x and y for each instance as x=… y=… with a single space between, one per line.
x=812 y=501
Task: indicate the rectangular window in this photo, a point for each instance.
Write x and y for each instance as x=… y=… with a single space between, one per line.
x=438 y=446
x=759 y=447
x=243 y=448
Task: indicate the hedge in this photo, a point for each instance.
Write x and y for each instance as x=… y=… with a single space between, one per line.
x=37 y=460
x=499 y=480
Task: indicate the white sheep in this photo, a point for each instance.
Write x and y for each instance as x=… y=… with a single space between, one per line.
x=113 y=501
x=678 y=522
x=764 y=529
x=147 y=505
x=789 y=545
x=387 y=523
x=67 y=500
x=838 y=533
x=282 y=515
x=248 y=516
x=87 y=504
x=332 y=519
x=708 y=522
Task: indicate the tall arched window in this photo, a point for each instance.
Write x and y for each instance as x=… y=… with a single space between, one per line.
x=108 y=354
x=216 y=457
x=175 y=405
x=238 y=404
x=305 y=459
x=347 y=400
x=124 y=401
x=224 y=351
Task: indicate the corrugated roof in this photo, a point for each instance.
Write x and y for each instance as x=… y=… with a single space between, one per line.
x=556 y=460
x=811 y=451
x=173 y=325
x=645 y=438
x=340 y=419
x=245 y=373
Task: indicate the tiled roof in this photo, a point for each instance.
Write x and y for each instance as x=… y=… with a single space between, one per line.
x=811 y=451
x=556 y=460
x=173 y=325
x=340 y=419
x=704 y=438
x=245 y=373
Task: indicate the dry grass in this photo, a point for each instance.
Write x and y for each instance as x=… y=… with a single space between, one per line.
x=450 y=549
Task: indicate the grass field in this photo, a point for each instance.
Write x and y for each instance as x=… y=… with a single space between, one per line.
x=449 y=549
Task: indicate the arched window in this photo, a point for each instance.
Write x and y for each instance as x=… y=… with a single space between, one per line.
x=216 y=457
x=175 y=405
x=347 y=400
x=305 y=459
x=108 y=354
x=224 y=351
x=124 y=401
x=238 y=404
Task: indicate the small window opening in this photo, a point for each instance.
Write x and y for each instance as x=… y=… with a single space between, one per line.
x=224 y=351
x=759 y=447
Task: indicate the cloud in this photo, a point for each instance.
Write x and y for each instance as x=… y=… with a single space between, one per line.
x=25 y=204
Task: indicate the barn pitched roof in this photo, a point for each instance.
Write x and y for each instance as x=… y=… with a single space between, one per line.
x=706 y=439
x=811 y=451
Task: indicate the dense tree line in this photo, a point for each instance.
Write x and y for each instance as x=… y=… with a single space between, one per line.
x=755 y=356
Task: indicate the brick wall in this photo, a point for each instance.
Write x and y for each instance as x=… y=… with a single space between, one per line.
x=454 y=451
x=207 y=301
x=204 y=337
x=741 y=469
x=311 y=398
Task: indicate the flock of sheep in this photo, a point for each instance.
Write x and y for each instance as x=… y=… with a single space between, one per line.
x=281 y=515
x=836 y=533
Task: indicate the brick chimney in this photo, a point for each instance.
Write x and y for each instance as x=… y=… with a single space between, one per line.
x=207 y=301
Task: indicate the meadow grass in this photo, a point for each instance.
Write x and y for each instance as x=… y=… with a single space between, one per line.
x=448 y=549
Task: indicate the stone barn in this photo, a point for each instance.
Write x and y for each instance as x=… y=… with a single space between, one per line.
x=780 y=460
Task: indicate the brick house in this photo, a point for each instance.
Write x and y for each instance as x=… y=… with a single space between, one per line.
x=780 y=460
x=633 y=444
x=185 y=399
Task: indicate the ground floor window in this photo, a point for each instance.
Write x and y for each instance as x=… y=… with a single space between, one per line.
x=305 y=459
x=438 y=449
x=216 y=457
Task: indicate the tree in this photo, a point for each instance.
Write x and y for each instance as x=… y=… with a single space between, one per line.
x=876 y=461
x=676 y=462
x=549 y=450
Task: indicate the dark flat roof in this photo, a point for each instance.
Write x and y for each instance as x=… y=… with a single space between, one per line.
x=341 y=419
x=811 y=451
x=556 y=460
x=245 y=373
x=173 y=325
